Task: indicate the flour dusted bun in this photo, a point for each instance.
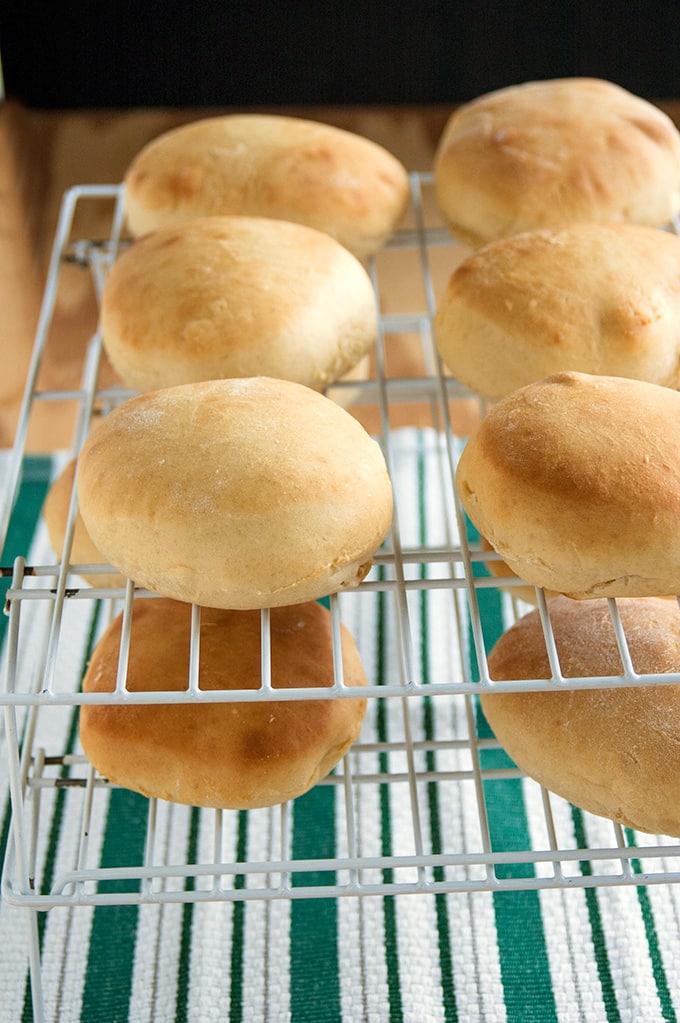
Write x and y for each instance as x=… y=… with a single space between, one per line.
x=236 y=297
x=549 y=153
x=575 y=482
x=83 y=551
x=595 y=298
x=267 y=165
x=234 y=754
x=235 y=493
x=613 y=751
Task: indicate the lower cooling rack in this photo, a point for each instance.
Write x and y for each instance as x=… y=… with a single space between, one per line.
x=374 y=829
x=371 y=830
x=424 y=802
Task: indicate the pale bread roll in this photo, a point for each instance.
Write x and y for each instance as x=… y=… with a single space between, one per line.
x=575 y=482
x=595 y=298
x=236 y=297
x=235 y=493
x=549 y=153
x=83 y=551
x=267 y=165
x=615 y=751
x=230 y=755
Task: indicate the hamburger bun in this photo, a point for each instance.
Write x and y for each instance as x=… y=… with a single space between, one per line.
x=235 y=493
x=550 y=153
x=612 y=751
x=231 y=755
x=595 y=298
x=267 y=165
x=575 y=482
x=236 y=297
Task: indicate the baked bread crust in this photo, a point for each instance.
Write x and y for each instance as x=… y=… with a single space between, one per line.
x=83 y=551
x=575 y=482
x=268 y=165
x=236 y=754
x=595 y=298
x=548 y=153
x=236 y=297
x=235 y=493
x=501 y=571
x=613 y=751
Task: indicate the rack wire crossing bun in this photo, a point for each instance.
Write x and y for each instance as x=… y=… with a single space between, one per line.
x=268 y=165
x=595 y=298
x=235 y=493
x=230 y=755
x=613 y=751
x=550 y=153
x=236 y=297
x=575 y=482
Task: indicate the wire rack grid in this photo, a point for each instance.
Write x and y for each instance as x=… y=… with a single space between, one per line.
x=424 y=620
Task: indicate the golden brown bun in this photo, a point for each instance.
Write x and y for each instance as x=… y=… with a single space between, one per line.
x=545 y=154
x=235 y=493
x=266 y=165
x=236 y=297
x=83 y=551
x=595 y=298
x=575 y=482
x=616 y=751
x=233 y=755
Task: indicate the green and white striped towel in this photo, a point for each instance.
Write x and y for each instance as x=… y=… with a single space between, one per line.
x=570 y=954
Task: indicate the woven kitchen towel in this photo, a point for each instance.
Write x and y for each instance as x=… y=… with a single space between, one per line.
x=530 y=956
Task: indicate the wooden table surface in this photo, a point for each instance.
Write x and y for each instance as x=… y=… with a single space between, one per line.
x=42 y=153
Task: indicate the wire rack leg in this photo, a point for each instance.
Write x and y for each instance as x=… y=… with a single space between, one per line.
x=35 y=967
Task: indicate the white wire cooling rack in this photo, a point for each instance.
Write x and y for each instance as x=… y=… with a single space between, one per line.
x=424 y=621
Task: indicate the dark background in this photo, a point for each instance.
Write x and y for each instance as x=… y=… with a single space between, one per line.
x=107 y=54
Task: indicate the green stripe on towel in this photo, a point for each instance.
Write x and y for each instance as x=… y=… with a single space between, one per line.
x=112 y=940
x=525 y=967
x=35 y=482
x=314 y=966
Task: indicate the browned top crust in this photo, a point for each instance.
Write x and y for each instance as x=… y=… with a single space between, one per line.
x=595 y=298
x=267 y=165
x=236 y=296
x=549 y=153
x=575 y=482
